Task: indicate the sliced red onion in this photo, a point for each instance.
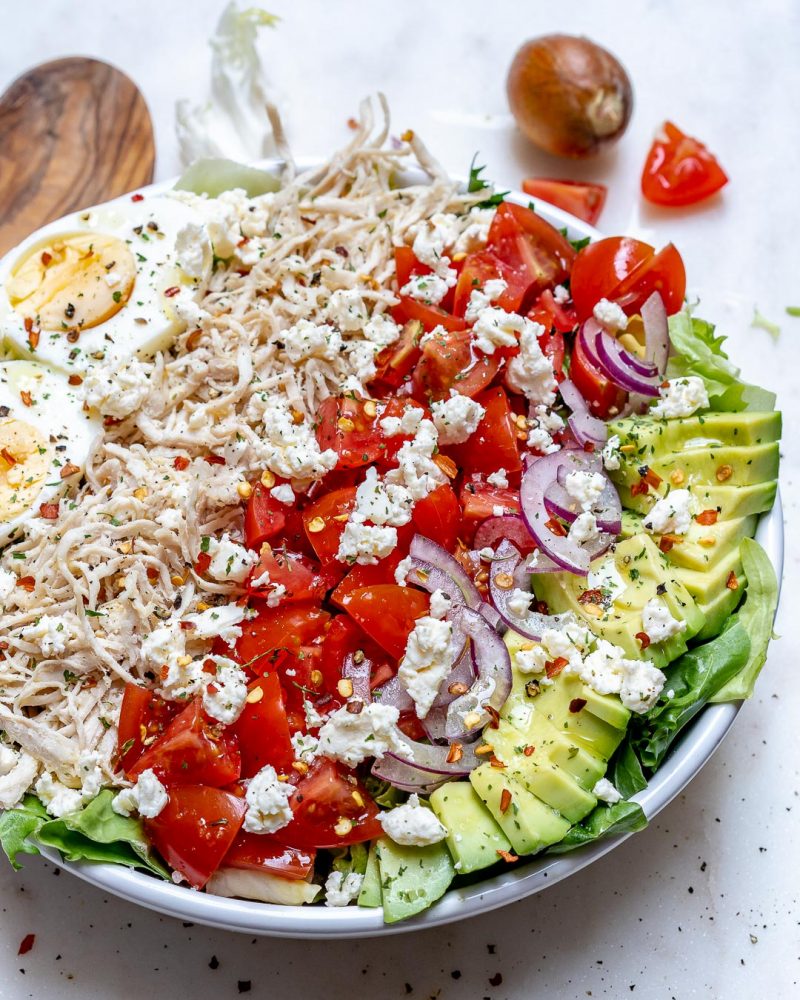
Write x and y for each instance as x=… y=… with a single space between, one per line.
x=462 y=673
x=405 y=776
x=495 y=529
x=432 y=760
x=359 y=674
x=586 y=428
x=534 y=623
x=425 y=550
x=492 y=686
x=393 y=693
x=656 y=332
x=536 y=562
x=608 y=508
x=607 y=354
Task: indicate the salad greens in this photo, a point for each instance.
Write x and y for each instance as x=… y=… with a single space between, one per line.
x=602 y=821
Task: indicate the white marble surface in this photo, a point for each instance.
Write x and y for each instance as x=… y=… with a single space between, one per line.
x=705 y=902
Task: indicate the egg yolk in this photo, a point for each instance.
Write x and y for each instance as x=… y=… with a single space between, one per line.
x=25 y=460
x=73 y=283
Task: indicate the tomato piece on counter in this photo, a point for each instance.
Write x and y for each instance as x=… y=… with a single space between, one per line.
x=438 y=516
x=348 y=427
x=530 y=245
x=196 y=829
x=605 y=399
x=193 y=750
x=328 y=794
x=679 y=170
x=387 y=613
x=264 y=517
x=262 y=729
x=264 y=852
x=324 y=521
x=493 y=446
x=144 y=715
x=448 y=362
x=580 y=198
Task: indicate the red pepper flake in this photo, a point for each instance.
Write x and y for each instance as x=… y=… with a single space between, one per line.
x=26 y=944
x=137 y=197
x=576 y=705
x=732 y=583
x=554 y=667
x=212 y=689
x=69 y=470
x=214 y=460
x=111 y=421
x=496 y=763
x=494 y=716
x=202 y=563
x=644 y=639
x=652 y=479
x=352 y=124
x=640 y=488
x=589 y=446
x=164 y=672
x=49 y=511
x=509 y=857
x=528 y=750
x=505 y=800
x=591 y=597
x=209 y=667
x=46 y=258
x=181 y=463
x=152 y=573
x=707 y=517
x=75 y=380
x=186 y=626
x=455 y=753
x=556 y=527
x=27 y=583
x=172 y=291
x=666 y=543
x=8 y=457
x=26 y=397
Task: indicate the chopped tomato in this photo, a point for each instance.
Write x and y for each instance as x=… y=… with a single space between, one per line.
x=395 y=362
x=448 y=362
x=264 y=852
x=552 y=314
x=144 y=715
x=343 y=638
x=407 y=266
x=276 y=631
x=348 y=427
x=579 y=198
x=327 y=796
x=196 y=829
x=193 y=750
x=429 y=316
x=605 y=399
x=483 y=266
x=438 y=516
x=301 y=577
x=387 y=613
x=262 y=728
x=409 y=724
x=680 y=170
x=368 y=576
x=527 y=243
x=324 y=521
x=264 y=517
x=479 y=500
x=493 y=446
x=626 y=271
x=391 y=444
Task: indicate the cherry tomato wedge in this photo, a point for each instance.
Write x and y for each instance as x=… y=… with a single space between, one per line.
x=264 y=517
x=262 y=729
x=482 y=266
x=196 y=829
x=144 y=715
x=359 y=577
x=324 y=521
x=429 y=316
x=301 y=578
x=387 y=613
x=448 y=362
x=396 y=362
x=276 y=631
x=493 y=446
x=579 y=198
x=264 y=852
x=193 y=750
x=348 y=427
x=529 y=244
x=438 y=516
x=680 y=170
x=479 y=501
x=327 y=795
x=664 y=273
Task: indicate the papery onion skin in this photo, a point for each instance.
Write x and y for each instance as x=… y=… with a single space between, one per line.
x=569 y=96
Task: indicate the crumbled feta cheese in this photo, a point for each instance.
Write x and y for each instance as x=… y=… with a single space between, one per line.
x=307 y=340
x=57 y=799
x=412 y=824
x=90 y=773
x=544 y=423
x=637 y=682
x=440 y=604
x=276 y=595
x=291 y=449
x=267 y=800
x=497 y=328
x=641 y=685
x=610 y=316
x=162 y=643
x=430 y=288
x=482 y=298
x=519 y=602
x=390 y=426
x=416 y=469
x=341 y=889
x=681 y=397
x=230 y=562
x=428 y=659
x=476 y=232
x=313 y=719
x=499 y=479
x=498 y=510
x=404 y=567
x=430 y=240
x=8 y=760
x=585 y=487
x=148 y=797
x=220 y=621
x=658 y=623
x=365 y=544
x=283 y=493
x=671 y=515
x=606 y=578
x=225 y=694
x=611 y=453
x=116 y=391
x=380 y=502
x=50 y=632
x=606 y=792
x=456 y=418
x=560 y=295
x=346 y=309
x=382 y=330
x=193 y=250
x=305 y=747
x=531 y=372
x=584 y=530
x=352 y=737
x=8 y=582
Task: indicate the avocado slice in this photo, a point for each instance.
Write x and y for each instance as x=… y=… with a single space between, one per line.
x=370 y=894
x=728 y=501
x=529 y=824
x=704 y=545
x=598 y=727
x=473 y=837
x=646 y=436
x=411 y=878
x=744 y=466
x=717 y=610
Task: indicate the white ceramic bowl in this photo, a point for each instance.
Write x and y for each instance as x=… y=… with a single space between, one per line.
x=694 y=747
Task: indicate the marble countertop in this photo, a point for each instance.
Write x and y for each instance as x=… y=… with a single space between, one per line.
x=704 y=903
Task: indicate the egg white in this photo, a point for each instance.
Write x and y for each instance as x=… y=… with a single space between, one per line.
x=40 y=407
x=149 y=321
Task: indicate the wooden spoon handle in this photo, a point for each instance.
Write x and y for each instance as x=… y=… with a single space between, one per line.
x=73 y=132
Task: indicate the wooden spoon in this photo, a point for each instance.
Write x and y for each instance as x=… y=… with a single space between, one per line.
x=73 y=132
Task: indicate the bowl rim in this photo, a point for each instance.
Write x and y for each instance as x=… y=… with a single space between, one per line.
x=693 y=749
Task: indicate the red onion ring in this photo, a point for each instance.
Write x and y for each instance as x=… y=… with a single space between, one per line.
x=606 y=353
x=586 y=428
x=493 y=665
x=359 y=674
x=534 y=623
x=656 y=332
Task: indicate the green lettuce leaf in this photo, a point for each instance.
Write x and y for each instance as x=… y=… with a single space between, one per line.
x=700 y=352
x=757 y=615
x=602 y=821
x=19 y=826
x=625 y=771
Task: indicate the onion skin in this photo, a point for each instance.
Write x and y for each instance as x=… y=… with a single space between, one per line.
x=569 y=96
